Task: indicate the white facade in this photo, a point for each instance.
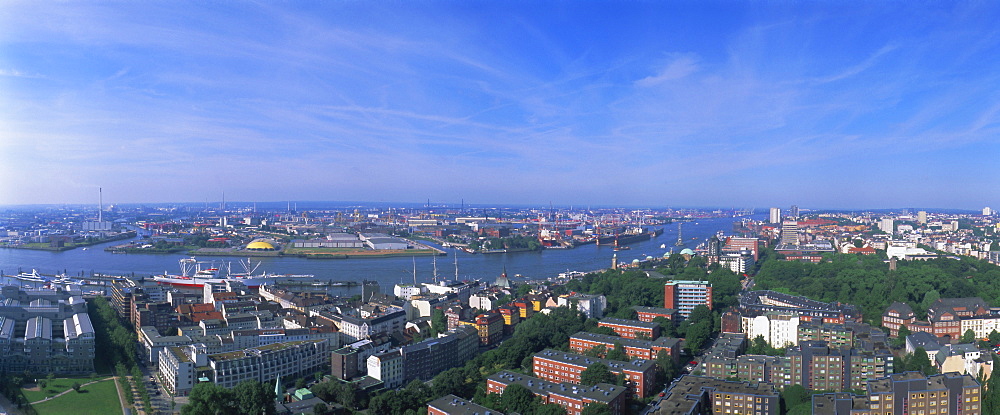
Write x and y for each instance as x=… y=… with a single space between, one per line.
x=387 y=367
x=408 y=291
x=982 y=326
x=775 y=215
x=886 y=225
x=590 y=305
x=483 y=301
x=778 y=330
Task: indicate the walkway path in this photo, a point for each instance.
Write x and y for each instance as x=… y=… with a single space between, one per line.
x=68 y=390
x=121 y=397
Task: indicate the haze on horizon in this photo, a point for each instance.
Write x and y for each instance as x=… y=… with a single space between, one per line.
x=821 y=104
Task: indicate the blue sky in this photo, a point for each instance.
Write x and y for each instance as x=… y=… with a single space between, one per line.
x=821 y=104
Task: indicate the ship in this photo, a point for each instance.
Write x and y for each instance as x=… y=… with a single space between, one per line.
x=194 y=276
x=631 y=235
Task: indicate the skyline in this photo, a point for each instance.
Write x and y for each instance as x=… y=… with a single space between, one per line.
x=602 y=103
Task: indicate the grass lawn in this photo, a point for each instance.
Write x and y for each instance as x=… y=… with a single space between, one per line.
x=54 y=387
x=98 y=399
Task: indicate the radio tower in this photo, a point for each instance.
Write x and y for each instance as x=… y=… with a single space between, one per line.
x=100 y=204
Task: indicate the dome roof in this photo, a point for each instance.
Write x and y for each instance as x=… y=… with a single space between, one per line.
x=260 y=246
x=635 y=261
x=687 y=251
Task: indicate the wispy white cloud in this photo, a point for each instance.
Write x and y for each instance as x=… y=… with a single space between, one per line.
x=679 y=67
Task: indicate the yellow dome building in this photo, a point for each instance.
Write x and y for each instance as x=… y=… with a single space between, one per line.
x=259 y=245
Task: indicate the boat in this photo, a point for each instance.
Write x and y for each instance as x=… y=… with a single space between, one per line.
x=31 y=277
x=194 y=276
x=663 y=246
x=631 y=235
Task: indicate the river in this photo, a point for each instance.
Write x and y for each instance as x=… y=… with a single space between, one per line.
x=387 y=271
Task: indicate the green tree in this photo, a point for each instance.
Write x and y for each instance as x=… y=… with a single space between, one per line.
x=969 y=337
x=517 y=398
x=617 y=353
x=523 y=290
x=596 y=351
x=207 y=398
x=550 y=409
x=321 y=409
x=594 y=408
x=596 y=373
x=253 y=397
x=439 y=322
x=76 y=386
x=920 y=362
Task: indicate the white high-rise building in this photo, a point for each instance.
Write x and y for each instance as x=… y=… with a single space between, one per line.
x=790 y=233
x=922 y=217
x=887 y=225
x=987 y=211
x=775 y=215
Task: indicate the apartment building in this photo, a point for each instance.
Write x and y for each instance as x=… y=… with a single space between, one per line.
x=583 y=341
x=686 y=295
x=556 y=366
x=573 y=398
x=631 y=329
x=691 y=395
x=907 y=393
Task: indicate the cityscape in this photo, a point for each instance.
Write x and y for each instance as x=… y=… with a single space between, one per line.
x=499 y=208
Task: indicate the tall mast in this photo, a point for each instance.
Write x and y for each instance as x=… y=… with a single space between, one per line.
x=456 y=264
x=414 y=270
x=435 y=262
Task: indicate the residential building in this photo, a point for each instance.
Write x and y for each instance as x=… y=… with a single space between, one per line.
x=453 y=405
x=753 y=303
x=590 y=305
x=647 y=314
x=696 y=395
x=631 y=329
x=778 y=329
x=388 y=368
x=182 y=367
x=45 y=331
x=426 y=359
x=583 y=341
x=573 y=398
x=386 y=320
x=686 y=295
x=907 y=393
x=897 y=315
x=556 y=366
x=775 y=215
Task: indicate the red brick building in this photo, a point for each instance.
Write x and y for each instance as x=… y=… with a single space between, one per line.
x=453 y=405
x=647 y=314
x=556 y=366
x=490 y=327
x=571 y=397
x=583 y=341
x=631 y=329
x=686 y=295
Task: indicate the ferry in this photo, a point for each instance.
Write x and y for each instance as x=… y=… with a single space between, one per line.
x=194 y=276
x=31 y=277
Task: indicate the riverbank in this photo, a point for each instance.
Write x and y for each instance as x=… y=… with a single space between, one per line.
x=348 y=253
x=45 y=246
